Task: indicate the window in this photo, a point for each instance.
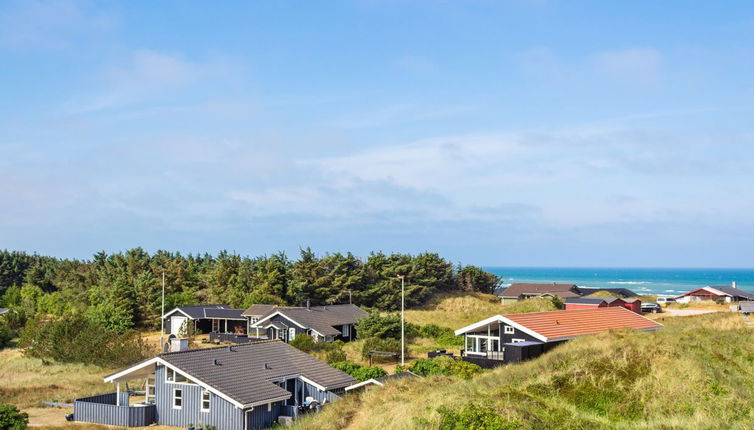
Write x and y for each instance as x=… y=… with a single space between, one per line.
x=149 y=390
x=254 y=319
x=291 y=334
x=177 y=398
x=347 y=330
x=169 y=375
x=509 y=330
x=281 y=334
x=179 y=377
x=518 y=340
x=173 y=376
x=269 y=407
x=470 y=344
x=205 y=401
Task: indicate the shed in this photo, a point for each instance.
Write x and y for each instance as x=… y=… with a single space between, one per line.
x=584 y=303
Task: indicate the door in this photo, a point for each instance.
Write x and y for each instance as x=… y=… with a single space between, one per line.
x=177 y=325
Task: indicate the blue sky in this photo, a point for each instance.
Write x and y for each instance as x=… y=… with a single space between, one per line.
x=538 y=132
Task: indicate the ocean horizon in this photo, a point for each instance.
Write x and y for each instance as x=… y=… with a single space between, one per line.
x=661 y=281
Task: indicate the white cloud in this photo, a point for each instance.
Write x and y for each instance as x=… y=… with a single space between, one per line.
x=50 y=25
x=634 y=65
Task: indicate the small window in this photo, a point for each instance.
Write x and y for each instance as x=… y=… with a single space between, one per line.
x=180 y=378
x=169 y=375
x=291 y=333
x=281 y=334
x=518 y=340
x=509 y=330
x=269 y=407
x=177 y=398
x=347 y=330
x=254 y=319
x=205 y=401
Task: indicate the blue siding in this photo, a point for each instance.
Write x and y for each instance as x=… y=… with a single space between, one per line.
x=223 y=414
x=102 y=409
x=260 y=418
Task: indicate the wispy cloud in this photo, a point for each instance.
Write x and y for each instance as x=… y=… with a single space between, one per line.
x=633 y=65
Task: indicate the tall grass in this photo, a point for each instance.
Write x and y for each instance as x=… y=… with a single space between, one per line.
x=696 y=373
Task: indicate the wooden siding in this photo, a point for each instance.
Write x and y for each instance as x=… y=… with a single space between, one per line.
x=261 y=418
x=223 y=414
x=101 y=409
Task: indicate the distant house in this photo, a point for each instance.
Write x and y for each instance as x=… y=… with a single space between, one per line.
x=498 y=337
x=521 y=291
x=323 y=323
x=4 y=311
x=599 y=302
x=239 y=387
x=620 y=292
x=724 y=293
x=382 y=380
x=746 y=307
x=205 y=319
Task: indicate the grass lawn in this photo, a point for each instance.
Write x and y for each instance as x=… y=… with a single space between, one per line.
x=674 y=378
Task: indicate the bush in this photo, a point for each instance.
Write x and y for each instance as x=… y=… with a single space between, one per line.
x=359 y=372
x=444 y=365
x=76 y=339
x=377 y=344
x=471 y=278
x=335 y=356
x=303 y=342
x=6 y=335
x=384 y=327
x=444 y=336
x=12 y=419
x=475 y=417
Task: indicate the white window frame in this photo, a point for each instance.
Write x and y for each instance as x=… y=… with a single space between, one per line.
x=509 y=330
x=347 y=330
x=291 y=333
x=177 y=397
x=205 y=397
x=168 y=373
x=517 y=340
x=269 y=407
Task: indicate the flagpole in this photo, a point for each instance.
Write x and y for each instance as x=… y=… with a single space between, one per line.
x=403 y=331
x=162 y=315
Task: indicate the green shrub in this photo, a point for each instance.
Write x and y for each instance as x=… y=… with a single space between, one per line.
x=444 y=336
x=12 y=419
x=76 y=339
x=6 y=334
x=475 y=417
x=359 y=372
x=303 y=342
x=335 y=356
x=377 y=344
x=444 y=365
x=384 y=327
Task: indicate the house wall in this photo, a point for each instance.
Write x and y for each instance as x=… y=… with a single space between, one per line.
x=504 y=337
x=346 y=338
x=223 y=414
x=262 y=417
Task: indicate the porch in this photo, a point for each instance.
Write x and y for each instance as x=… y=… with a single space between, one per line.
x=113 y=409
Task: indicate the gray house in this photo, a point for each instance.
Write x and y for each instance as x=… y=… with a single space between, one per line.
x=205 y=319
x=323 y=323
x=239 y=387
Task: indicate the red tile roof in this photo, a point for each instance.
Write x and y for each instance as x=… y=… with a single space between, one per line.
x=566 y=324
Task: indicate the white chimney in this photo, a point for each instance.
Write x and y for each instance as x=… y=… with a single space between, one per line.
x=733 y=284
x=178 y=344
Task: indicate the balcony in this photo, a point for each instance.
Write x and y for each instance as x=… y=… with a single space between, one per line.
x=103 y=409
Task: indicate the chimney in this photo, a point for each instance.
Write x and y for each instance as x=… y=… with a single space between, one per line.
x=266 y=366
x=230 y=348
x=216 y=362
x=733 y=284
x=307 y=304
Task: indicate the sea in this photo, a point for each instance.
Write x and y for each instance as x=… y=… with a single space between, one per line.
x=655 y=281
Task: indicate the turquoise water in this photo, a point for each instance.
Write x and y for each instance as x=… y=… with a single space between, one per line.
x=642 y=281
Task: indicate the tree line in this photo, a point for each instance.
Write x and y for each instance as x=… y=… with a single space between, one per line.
x=121 y=291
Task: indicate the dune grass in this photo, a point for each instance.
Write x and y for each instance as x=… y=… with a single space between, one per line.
x=456 y=311
x=698 y=372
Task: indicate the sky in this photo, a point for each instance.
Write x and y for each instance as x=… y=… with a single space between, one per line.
x=509 y=133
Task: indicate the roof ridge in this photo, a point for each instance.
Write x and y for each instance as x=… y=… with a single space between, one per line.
x=235 y=345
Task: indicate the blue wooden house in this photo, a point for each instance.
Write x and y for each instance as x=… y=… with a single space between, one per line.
x=238 y=387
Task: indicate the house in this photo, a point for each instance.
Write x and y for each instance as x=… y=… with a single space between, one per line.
x=599 y=302
x=382 y=380
x=521 y=291
x=496 y=338
x=746 y=307
x=723 y=293
x=323 y=323
x=620 y=292
x=237 y=387
x=205 y=319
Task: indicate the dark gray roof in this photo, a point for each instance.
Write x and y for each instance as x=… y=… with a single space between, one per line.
x=241 y=373
x=397 y=376
x=623 y=292
x=499 y=291
x=561 y=290
x=198 y=312
x=258 y=310
x=735 y=292
x=322 y=319
x=585 y=300
x=224 y=313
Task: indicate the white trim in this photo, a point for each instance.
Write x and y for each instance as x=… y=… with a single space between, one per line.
x=174 y=398
x=310 y=382
x=512 y=330
x=201 y=401
x=179 y=310
x=500 y=319
x=262 y=402
x=361 y=384
x=517 y=340
x=137 y=366
x=283 y=315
